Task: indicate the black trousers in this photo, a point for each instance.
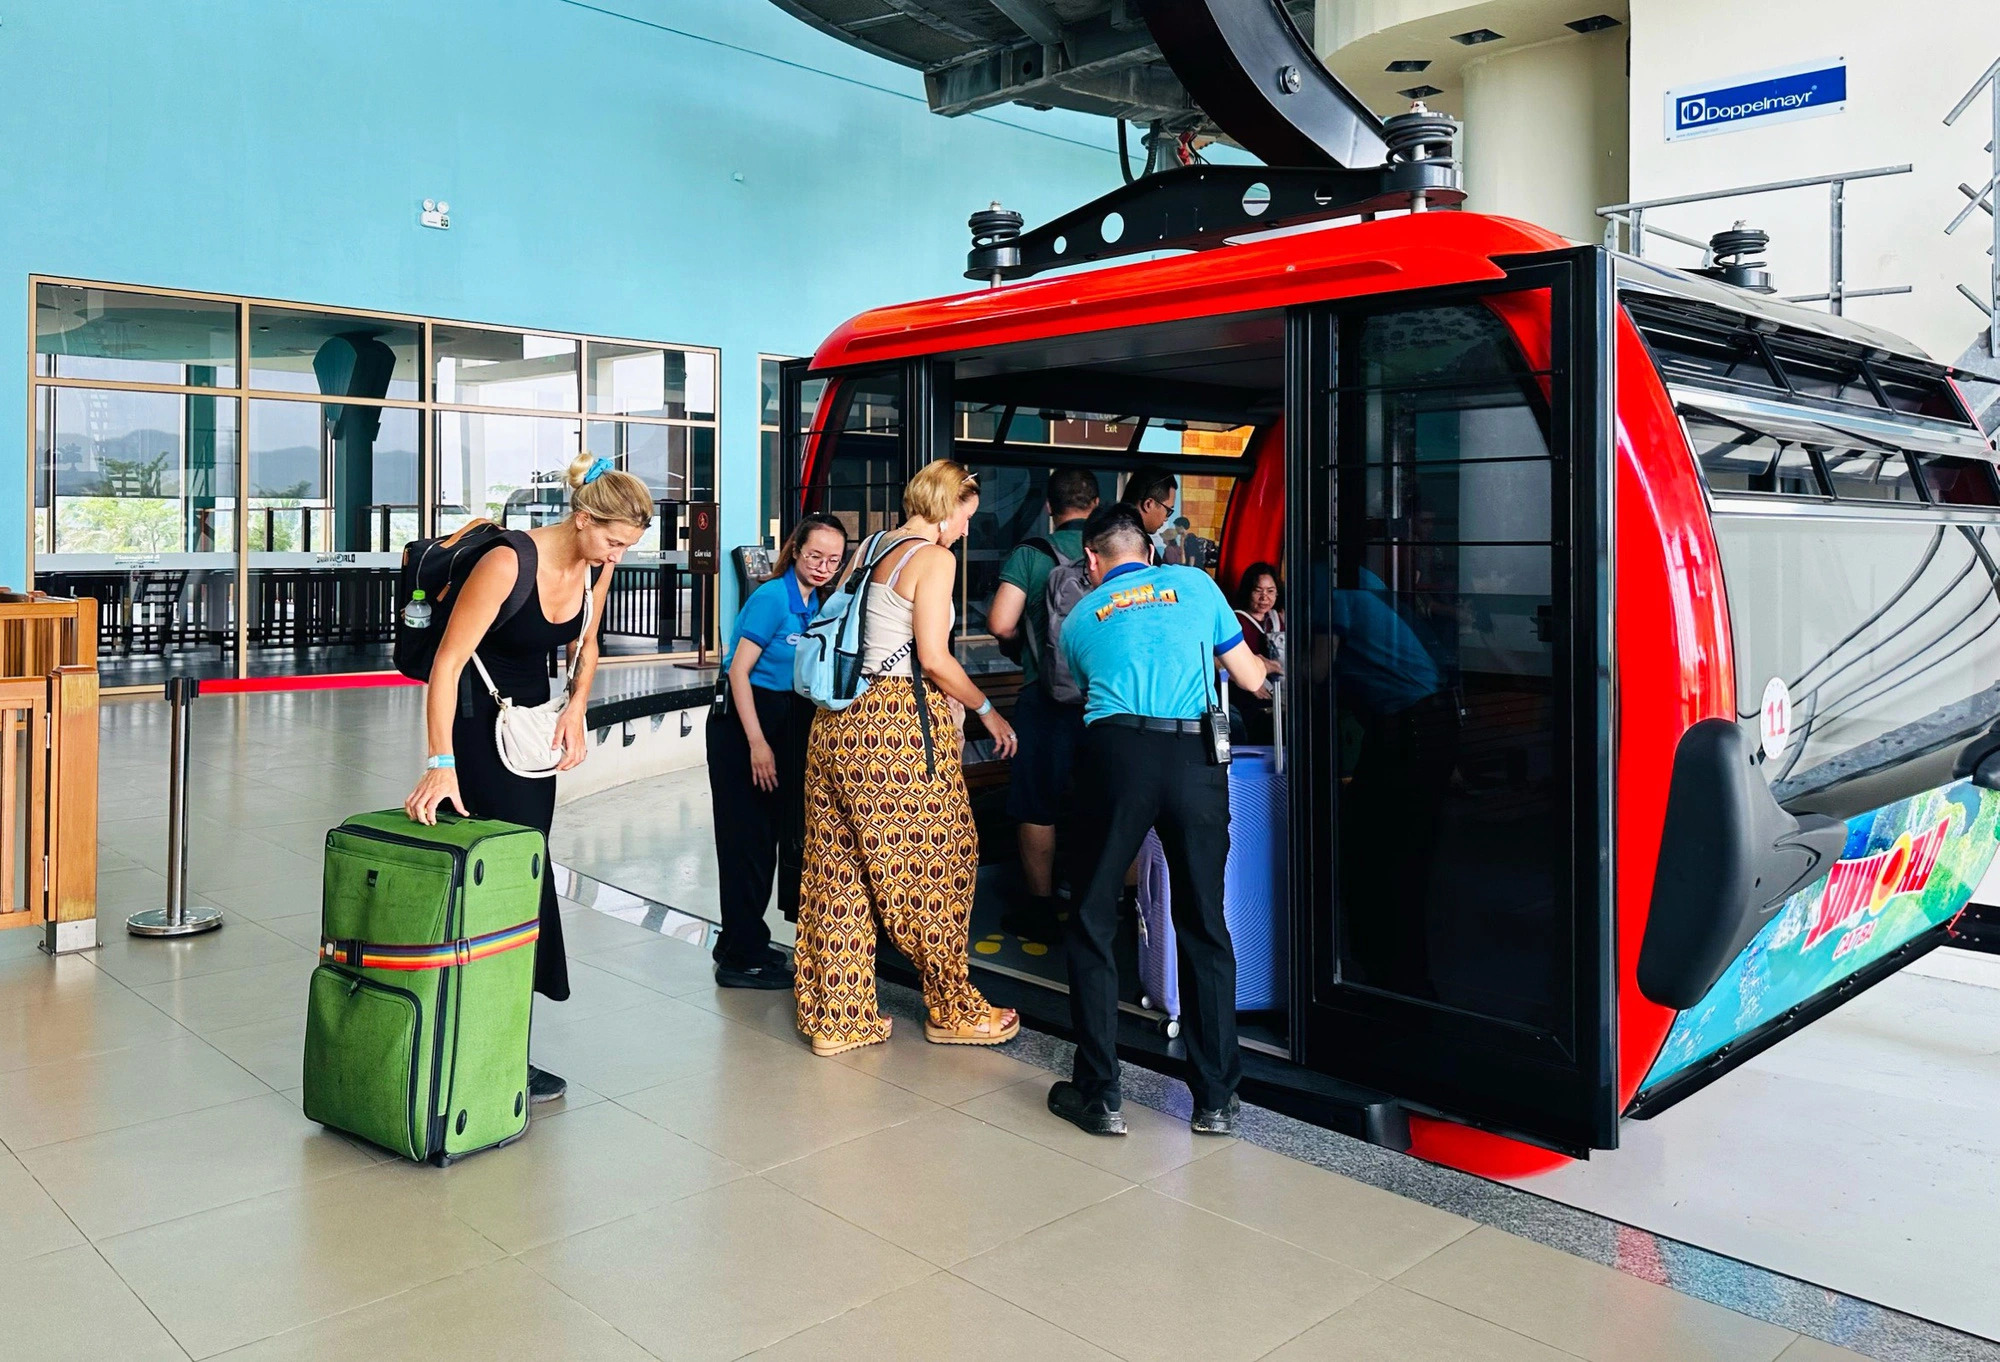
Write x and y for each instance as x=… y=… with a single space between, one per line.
x=752 y=825
x=1131 y=782
x=490 y=790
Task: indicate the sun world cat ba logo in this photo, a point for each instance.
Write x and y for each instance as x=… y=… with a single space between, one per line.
x=1866 y=885
x=1138 y=595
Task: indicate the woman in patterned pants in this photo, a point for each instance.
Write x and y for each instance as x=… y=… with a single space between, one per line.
x=889 y=832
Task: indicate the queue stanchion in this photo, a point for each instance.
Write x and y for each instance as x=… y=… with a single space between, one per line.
x=177 y=918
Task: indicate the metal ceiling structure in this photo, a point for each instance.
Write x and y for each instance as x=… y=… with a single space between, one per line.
x=1093 y=56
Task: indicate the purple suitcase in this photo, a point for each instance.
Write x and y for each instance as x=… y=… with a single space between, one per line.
x=1253 y=895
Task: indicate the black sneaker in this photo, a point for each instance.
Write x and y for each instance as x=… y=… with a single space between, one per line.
x=544 y=1086
x=1218 y=1120
x=1095 y=1116
x=772 y=972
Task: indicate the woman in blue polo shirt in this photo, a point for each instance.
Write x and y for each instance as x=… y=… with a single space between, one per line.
x=756 y=794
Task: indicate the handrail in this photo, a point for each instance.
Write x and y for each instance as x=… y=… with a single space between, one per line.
x=1770 y=187
x=1632 y=216
x=1983 y=198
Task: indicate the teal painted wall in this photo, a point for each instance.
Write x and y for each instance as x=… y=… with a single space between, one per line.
x=699 y=171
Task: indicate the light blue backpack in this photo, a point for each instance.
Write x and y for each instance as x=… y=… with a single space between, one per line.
x=827 y=667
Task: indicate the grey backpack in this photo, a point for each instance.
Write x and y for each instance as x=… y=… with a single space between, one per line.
x=1069 y=582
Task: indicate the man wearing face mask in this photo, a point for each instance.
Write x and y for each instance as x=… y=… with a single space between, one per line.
x=1145 y=644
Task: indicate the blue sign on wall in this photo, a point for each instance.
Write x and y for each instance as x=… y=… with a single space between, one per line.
x=1806 y=90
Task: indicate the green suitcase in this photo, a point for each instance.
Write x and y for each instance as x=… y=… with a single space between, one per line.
x=417 y=1024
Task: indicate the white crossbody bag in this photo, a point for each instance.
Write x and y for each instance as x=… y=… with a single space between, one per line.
x=526 y=734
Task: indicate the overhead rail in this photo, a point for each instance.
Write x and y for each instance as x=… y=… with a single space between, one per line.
x=1983 y=198
x=1632 y=218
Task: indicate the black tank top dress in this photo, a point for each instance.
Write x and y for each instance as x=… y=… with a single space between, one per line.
x=519 y=654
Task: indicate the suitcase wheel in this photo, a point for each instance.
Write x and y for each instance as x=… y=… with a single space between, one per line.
x=1171 y=1027
x=1146 y=1002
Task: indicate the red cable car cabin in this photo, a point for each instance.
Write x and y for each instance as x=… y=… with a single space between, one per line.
x=1697 y=591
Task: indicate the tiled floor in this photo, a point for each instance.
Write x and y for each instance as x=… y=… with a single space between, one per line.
x=708 y=1190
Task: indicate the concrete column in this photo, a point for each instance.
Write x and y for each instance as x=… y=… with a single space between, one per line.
x=1546 y=132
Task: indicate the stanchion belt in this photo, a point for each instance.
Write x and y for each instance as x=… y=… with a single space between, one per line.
x=443 y=955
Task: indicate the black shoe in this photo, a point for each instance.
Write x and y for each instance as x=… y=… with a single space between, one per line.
x=1218 y=1120
x=1095 y=1116
x=772 y=972
x=544 y=1086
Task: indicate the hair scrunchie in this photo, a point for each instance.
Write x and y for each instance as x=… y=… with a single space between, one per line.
x=598 y=469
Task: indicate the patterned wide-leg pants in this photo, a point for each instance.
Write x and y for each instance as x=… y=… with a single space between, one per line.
x=884 y=844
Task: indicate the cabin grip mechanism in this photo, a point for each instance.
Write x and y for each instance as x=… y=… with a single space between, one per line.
x=1729 y=856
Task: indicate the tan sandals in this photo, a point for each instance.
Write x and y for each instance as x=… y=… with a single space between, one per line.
x=990 y=1031
x=826 y=1049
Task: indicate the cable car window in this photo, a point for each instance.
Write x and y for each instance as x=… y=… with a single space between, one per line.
x=858 y=471
x=1885 y=633
x=1825 y=374
x=1457 y=345
x=1687 y=350
x=1918 y=393
x=1736 y=458
x=1859 y=475
x=1953 y=480
x=1444 y=626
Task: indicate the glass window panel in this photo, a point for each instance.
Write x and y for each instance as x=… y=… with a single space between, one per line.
x=656 y=455
x=768 y=384
x=1686 y=349
x=1459 y=344
x=296 y=351
x=1442 y=664
x=1956 y=481
x=134 y=337
x=1884 y=632
x=1923 y=394
x=136 y=472
x=328 y=477
x=771 y=489
x=1866 y=476
x=650 y=380
x=503 y=468
x=1738 y=459
x=478 y=367
x=701 y=463
x=1825 y=374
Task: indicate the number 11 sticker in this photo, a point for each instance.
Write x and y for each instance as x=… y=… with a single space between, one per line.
x=1774 y=722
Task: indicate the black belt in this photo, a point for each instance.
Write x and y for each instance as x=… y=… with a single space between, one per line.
x=1145 y=725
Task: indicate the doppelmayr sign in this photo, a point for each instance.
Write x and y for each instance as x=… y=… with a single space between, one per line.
x=1754 y=101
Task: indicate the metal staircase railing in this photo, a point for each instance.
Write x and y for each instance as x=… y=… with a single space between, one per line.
x=1632 y=217
x=1983 y=198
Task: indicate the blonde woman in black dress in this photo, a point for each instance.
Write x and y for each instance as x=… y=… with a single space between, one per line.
x=609 y=511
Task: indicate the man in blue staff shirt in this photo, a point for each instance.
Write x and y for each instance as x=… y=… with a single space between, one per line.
x=1144 y=646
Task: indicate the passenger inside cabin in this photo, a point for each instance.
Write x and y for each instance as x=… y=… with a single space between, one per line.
x=1259 y=596
x=1049 y=728
x=1152 y=492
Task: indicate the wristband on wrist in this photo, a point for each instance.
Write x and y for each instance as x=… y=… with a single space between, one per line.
x=443 y=761
x=985 y=708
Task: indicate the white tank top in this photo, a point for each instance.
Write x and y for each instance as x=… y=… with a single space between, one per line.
x=890 y=623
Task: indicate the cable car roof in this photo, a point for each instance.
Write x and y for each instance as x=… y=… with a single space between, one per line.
x=1420 y=250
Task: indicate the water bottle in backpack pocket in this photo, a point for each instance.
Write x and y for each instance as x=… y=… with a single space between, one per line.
x=433 y=575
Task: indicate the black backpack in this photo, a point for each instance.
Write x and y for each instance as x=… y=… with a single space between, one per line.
x=438 y=568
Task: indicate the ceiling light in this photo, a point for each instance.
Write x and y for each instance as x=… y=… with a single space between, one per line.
x=1409 y=64
x=1594 y=24
x=1420 y=92
x=1477 y=36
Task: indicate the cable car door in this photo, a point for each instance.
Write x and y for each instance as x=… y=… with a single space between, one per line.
x=1452 y=773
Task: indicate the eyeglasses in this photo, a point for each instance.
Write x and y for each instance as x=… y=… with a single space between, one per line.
x=821 y=559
